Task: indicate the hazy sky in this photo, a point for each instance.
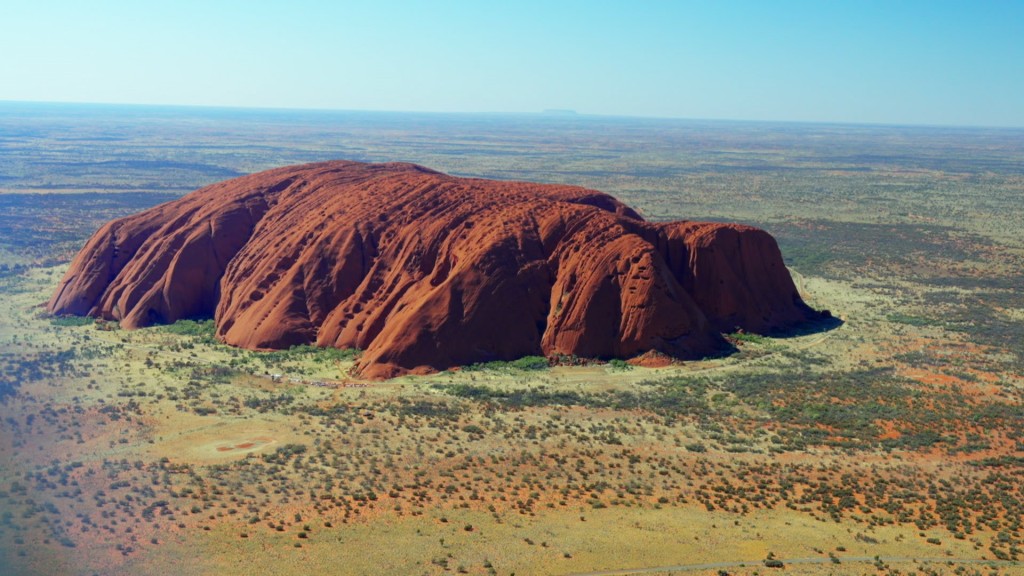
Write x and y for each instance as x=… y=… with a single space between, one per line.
x=926 y=62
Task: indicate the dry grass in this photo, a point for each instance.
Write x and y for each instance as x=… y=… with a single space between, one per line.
x=142 y=456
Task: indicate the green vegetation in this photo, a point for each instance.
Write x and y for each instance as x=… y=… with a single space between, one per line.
x=72 y=321
x=519 y=398
x=202 y=329
x=900 y=431
x=619 y=364
x=912 y=320
x=304 y=352
x=520 y=364
x=747 y=337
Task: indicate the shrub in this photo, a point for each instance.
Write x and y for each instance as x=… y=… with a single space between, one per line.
x=203 y=329
x=619 y=364
x=72 y=320
x=747 y=337
x=524 y=363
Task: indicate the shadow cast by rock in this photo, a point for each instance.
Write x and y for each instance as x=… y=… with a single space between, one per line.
x=826 y=322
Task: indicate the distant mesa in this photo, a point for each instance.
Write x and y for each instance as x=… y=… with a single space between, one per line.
x=425 y=271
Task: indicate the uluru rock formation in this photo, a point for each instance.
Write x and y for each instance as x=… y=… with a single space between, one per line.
x=425 y=271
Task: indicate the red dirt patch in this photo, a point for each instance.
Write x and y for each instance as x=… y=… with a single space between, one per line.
x=247 y=445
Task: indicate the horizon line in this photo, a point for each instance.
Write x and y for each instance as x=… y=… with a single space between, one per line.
x=561 y=113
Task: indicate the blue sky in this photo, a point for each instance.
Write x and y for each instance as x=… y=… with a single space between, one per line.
x=897 y=62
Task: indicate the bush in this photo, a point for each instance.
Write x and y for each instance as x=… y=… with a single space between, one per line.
x=524 y=363
x=530 y=363
x=72 y=320
x=201 y=328
x=747 y=337
x=619 y=364
x=318 y=354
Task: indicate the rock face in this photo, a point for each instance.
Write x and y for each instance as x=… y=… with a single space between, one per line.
x=425 y=271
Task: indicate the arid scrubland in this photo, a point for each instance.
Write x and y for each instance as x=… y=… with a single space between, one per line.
x=892 y=442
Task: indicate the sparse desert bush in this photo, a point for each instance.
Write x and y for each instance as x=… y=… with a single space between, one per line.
x=619 y=364
x=72 y=320
x=524 y=363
